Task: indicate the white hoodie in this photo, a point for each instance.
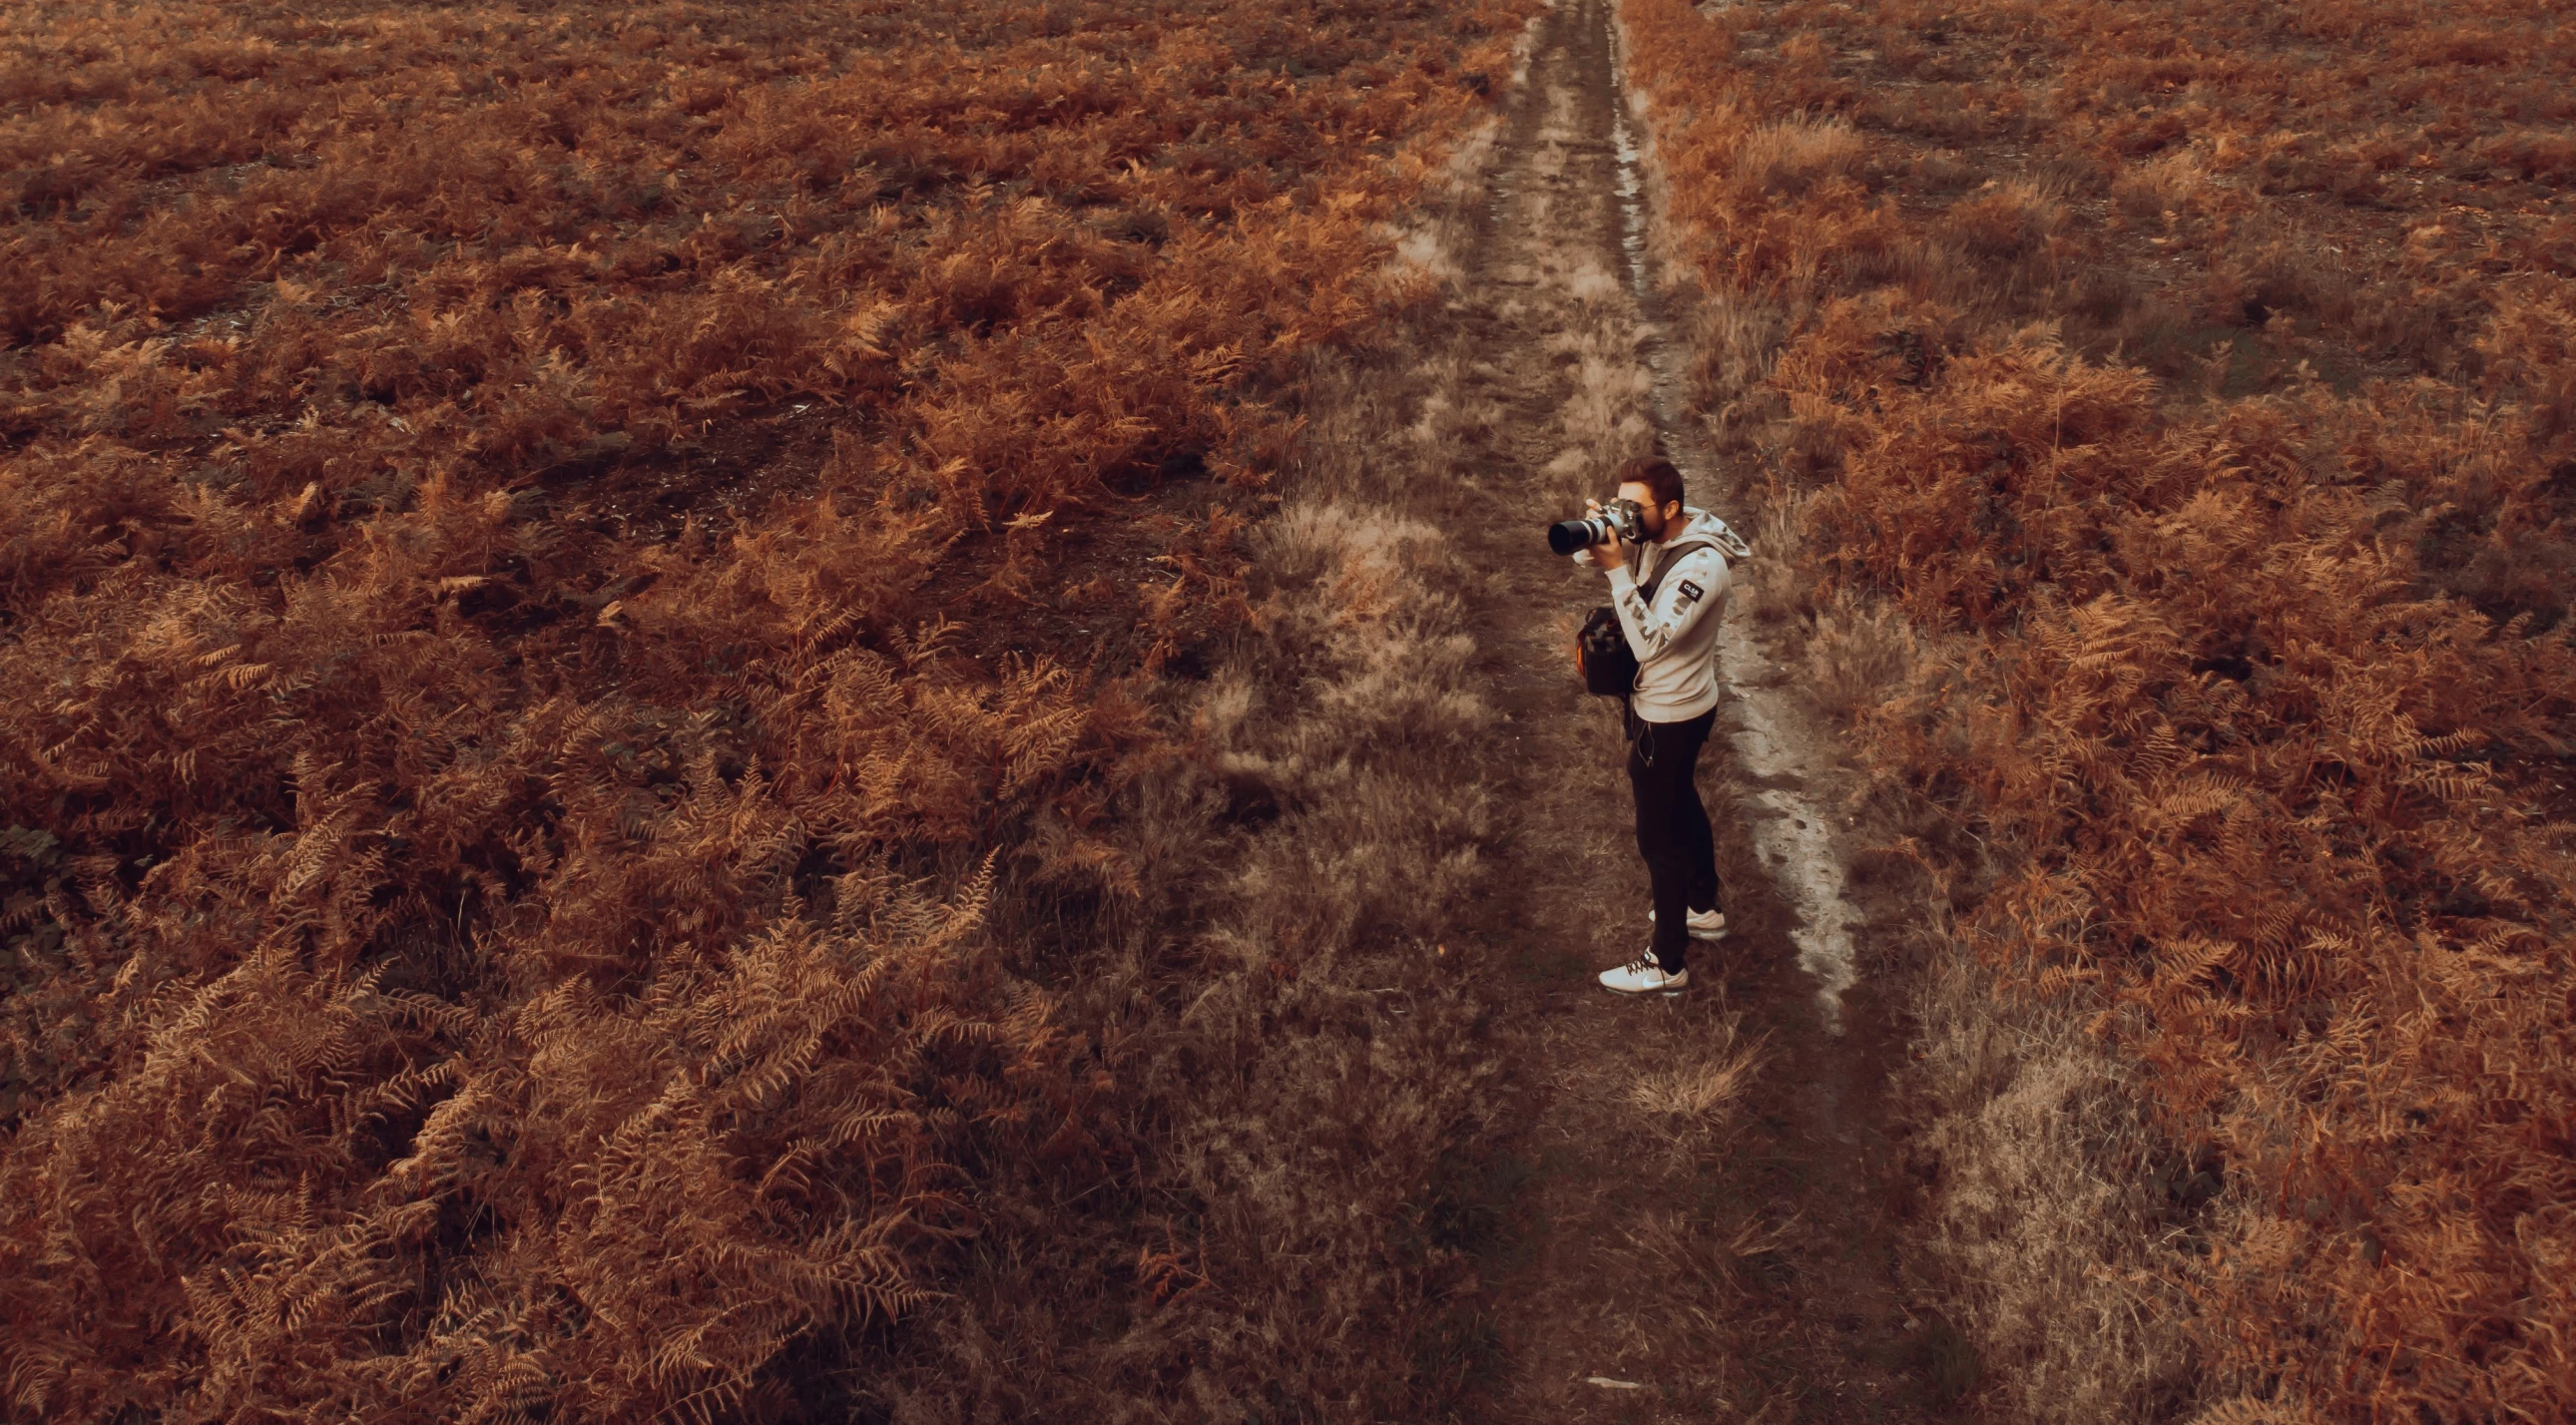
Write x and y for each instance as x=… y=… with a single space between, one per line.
x=1674 y=638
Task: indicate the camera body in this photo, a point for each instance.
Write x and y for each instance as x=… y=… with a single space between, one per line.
x=1624 y=518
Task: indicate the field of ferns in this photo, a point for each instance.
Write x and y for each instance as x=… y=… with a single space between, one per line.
x=664 y=748
x=2171 y=410
x=600 y=816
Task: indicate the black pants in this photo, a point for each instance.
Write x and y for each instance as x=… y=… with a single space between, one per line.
x=1672 y=827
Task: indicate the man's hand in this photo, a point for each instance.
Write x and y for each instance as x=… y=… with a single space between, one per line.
x=1607 y=554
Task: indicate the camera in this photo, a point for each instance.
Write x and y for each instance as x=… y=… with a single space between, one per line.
x=1624 y=518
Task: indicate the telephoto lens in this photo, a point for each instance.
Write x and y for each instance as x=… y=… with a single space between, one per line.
x=1570 y=537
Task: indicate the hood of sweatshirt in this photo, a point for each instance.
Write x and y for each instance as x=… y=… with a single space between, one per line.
x=1700 y=524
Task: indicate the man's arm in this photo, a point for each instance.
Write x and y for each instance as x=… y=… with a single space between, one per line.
x=1688 y=591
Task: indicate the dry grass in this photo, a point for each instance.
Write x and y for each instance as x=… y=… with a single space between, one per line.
x=1788 y=157
x=1701 y=1091
x=2058 y=1202
x=1695 y=1092
x=2006 y=220
x=2172 y=183
x=1857 y=653
x=2215 y=464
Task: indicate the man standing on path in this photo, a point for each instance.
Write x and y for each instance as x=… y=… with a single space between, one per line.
x=1669 y=606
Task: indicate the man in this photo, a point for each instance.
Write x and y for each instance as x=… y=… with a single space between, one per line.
x=1671 y=710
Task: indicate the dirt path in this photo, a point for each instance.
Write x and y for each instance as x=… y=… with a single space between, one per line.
x=1708 y=1224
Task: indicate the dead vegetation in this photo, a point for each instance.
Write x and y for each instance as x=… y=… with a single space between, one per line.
x=642 y=776
x=2168 y=409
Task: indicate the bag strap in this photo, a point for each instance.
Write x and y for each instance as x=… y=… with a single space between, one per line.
x=1671 y=560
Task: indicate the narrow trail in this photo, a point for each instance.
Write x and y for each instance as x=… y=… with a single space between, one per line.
x=1706 y=1211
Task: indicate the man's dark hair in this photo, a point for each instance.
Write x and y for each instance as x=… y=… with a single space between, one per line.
x=1656 y=474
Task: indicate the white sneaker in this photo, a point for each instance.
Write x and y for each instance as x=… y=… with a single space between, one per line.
x=1643 y=976
x=1702 y=924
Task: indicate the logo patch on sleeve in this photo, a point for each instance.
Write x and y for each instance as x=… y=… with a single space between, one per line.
x=1690 y=591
